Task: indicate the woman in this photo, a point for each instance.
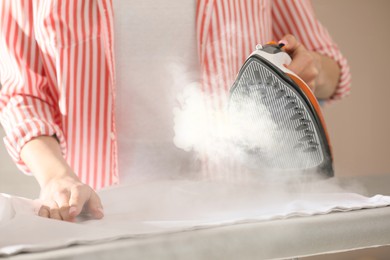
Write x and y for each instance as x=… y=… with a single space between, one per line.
x=58 y=73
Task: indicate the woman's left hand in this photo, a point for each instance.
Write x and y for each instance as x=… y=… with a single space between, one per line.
x=306 y=64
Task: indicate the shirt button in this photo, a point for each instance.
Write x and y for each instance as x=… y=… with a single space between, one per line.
x=112 y=135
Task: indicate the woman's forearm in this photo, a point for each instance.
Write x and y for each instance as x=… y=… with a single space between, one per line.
x=44 y=158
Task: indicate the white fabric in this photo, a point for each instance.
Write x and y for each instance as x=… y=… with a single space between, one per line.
x=168 y=206
x=151 y=39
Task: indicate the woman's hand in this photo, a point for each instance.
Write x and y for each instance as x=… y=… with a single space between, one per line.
x=320 y=72
x=63 y=195
x=64 y=198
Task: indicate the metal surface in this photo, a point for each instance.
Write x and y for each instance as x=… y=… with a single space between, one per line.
x=267 y=240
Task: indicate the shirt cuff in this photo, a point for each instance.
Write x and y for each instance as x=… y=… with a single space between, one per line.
x=22 y=133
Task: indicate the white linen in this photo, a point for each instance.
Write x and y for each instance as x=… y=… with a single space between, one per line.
x=152 y=208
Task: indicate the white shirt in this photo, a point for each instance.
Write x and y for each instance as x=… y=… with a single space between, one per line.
x=153 y=41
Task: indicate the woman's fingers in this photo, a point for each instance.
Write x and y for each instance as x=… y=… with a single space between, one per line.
x=67 y=204
x=309 y=75
x=291 y=44
x=55 y=213
x=304 y=63
x=44 y=211
x=62 y=199
x=50 y=211
x=95 y=206
x=85 y=197
x=79 y=195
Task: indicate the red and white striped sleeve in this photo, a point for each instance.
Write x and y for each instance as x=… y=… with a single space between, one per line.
x=27 y=101
x=298 y=18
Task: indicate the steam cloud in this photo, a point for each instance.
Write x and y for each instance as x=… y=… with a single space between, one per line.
x=214 y=135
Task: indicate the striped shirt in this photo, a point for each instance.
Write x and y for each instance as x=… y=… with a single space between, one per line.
x=57 y=68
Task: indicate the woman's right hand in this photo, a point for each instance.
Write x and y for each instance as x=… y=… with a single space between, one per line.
x=63 y=195
x=66 y=197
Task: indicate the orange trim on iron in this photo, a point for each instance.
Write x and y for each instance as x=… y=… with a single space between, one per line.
x=315 y=104
x=272 y=43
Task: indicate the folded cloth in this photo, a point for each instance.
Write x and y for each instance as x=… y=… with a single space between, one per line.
x=154 y=208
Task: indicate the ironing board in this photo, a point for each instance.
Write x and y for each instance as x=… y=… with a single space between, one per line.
x=288 y=238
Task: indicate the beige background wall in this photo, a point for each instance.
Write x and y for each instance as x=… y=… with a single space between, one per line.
x=359 y=125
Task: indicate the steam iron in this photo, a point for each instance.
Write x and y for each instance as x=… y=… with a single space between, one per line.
x=277 y=119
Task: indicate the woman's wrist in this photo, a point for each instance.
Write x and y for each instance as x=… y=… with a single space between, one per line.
x=43 y=157
x=328 y=77
x=44 y=178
